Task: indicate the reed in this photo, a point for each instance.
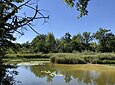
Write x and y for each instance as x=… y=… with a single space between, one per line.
x=81 y=58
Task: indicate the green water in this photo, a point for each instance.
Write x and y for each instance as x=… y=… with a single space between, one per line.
x=58 y=74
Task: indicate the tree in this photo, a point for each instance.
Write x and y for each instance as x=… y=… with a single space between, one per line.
x=81 y=6
x=105 y=40
x=6 y=76
x=76 y=42
x=38 y=44
x=43 y=43
x=11 y=22
x=66 y=42
x=5 y=42
x=50 y=42
x=87 y=38
x=110 y=42
x=24 y=47
x=16 y=48
x=67 y=38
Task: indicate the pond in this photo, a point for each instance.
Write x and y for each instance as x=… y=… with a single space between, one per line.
x=60 y=74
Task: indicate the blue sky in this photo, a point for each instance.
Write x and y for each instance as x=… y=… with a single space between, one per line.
x=64 y=19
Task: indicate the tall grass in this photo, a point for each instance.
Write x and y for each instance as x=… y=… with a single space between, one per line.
x=27 y=55
x=82 y=58
x=67 y=58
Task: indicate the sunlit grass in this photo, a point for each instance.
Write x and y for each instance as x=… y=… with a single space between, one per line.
x=65 y=58
x=27 y=57
x=82 y=58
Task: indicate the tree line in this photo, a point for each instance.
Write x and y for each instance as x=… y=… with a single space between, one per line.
x=101 y=41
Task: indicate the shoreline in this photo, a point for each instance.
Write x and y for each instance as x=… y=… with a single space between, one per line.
x=64 y=58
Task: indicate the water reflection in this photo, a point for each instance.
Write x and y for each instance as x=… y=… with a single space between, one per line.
x=53 y=74
x=7 y=75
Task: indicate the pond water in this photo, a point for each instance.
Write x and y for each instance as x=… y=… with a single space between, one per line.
x=59 y=74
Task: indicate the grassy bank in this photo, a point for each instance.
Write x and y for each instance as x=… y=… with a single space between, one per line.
x=65 y=58
x=83 y=58
x=27 y=57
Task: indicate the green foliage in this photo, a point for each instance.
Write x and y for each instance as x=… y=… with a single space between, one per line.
x=81 y=6
x=62 y=58
x=27 y=56
x=6 y=76
x=11 y=21
x=65 y=43
x=70 y=2
x=101 y=41
x=50 y=42
x=105 y=39
x=83 y=58
x=38 y=44
x=43 y=43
